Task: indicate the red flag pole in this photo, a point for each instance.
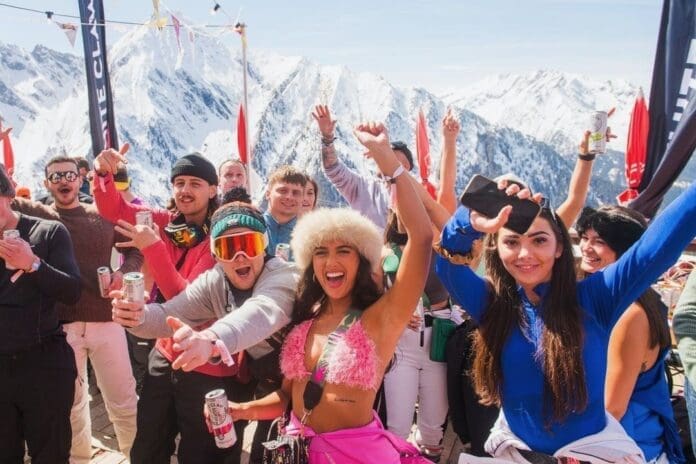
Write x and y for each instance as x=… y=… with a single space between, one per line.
x=7 y=152
x=636 y=149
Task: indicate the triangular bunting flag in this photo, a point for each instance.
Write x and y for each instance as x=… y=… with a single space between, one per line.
x=70 y=31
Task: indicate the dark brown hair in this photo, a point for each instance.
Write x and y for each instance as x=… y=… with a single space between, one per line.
x=61 y=159
x=364 y=293
x=560 y=353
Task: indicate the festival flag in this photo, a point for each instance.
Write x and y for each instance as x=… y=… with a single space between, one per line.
x=70 y=31
x=156 y=21
x=177 y=31
x=636 y=149
x=672 y=136
x=7 y=152
x=101 y=109
x=423 y=151
x=242 y=136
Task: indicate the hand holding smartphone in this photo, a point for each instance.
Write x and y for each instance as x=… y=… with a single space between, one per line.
x=483 y=196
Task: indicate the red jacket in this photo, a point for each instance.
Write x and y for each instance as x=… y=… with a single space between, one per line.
x=161 y=258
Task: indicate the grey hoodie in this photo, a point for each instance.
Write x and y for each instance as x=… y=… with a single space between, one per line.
x=267 y=310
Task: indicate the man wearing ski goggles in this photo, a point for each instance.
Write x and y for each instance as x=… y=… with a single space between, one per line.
x=239 y=242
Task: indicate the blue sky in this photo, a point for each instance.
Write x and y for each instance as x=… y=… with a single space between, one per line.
x=435 y=44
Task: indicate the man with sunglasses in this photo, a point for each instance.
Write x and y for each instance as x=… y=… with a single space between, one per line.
x=249 y=294
x=55 y=180
x=90 y=331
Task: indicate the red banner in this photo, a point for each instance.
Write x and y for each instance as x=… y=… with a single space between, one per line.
x=636 y=149
x=423 y=151
x=7 y=152
x=242 y=136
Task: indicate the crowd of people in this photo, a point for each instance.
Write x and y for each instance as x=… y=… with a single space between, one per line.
x=326 y=326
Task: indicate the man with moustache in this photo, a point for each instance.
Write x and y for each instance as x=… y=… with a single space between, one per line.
x=176 y=251
x=90 y=331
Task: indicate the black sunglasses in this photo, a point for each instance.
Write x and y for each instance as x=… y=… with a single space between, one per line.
x=69 y=176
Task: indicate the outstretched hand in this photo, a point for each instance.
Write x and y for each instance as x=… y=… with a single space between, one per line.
x=373 y=136
x=107 y=161
x=322 y=116
x=141 y=236
x=492 y=225
x=196 y=347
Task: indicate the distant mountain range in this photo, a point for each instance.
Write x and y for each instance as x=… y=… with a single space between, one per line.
x=169 y=103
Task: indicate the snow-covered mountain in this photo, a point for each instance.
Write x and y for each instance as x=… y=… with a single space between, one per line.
x=168 y=104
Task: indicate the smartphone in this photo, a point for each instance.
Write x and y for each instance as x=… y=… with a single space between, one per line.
x=483 y=196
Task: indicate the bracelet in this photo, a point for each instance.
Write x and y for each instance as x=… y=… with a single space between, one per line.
x=457 y=258
x=397 y=172
x=326 y=142
x=223 y=352
x=587 y=157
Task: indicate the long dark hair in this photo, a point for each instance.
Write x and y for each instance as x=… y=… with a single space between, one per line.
x=365 y=292
x=560 y=354
x=620 y=227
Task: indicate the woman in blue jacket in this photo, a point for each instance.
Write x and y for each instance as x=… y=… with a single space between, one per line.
x=541 y=352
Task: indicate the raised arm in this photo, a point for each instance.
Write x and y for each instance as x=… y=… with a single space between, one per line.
x=446 y=195
x=390 y=315
x=620 y=284
x=363 y=195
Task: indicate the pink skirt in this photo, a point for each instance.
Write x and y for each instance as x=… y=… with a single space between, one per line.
x=370 y=443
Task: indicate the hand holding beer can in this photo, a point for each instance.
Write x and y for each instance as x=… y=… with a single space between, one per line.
x=220 y=418
x=598 y=132
x=134 y=287
x=10 y=234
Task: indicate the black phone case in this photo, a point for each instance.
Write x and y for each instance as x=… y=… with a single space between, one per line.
x=483 y=196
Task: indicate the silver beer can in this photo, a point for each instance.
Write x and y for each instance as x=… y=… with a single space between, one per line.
x=282 y=251
x=134 y=287
x=144 y=218
x=220 y=418
x=10 y=234
x=598 y=132
x=104 y=278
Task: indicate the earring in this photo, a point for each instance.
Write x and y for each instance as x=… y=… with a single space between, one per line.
x=314 y=277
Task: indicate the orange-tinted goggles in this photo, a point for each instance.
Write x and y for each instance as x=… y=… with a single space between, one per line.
x=226 y=247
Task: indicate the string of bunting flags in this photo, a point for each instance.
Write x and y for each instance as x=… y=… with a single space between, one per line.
x=157 y=20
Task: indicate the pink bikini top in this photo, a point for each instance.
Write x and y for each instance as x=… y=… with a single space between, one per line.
x=353 y=362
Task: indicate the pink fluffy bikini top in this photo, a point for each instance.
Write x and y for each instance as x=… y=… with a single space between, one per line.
x=353 y=362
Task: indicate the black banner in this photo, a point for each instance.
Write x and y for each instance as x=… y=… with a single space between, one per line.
x=672 y=136
x=101 y=109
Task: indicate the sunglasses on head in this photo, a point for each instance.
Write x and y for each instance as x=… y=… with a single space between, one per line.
x=227 y=247
x=69 y=176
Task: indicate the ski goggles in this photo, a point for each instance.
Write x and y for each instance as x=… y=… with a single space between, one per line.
x=227 y=247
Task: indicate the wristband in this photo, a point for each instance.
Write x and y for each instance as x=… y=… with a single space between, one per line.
x=326 y=141
x=587 y=157
x=224 y=352
x=397 y=172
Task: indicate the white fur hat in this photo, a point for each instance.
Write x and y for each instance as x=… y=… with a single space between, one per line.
x=325 y=225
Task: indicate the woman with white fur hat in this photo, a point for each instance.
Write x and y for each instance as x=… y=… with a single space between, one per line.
x=346 y=328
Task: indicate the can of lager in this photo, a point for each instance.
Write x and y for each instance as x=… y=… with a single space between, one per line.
x=282 y=251
x=134 y=287
x=10 y=234
x=144 y=218
x=104 y=278
x=598 y=132
x=220 y=418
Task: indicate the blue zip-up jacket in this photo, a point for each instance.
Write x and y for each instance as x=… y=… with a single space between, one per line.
x=603 y=296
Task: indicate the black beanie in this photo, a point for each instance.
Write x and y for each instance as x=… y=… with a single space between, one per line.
x=401 y=146
x=620 y=227
x=195 y=165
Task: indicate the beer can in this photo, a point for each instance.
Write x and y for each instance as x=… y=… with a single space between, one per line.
x=598 y=132
x=104 y=278
x=220 y=418
x=134 y=287
x=144 y=218
x=282 y=251
x=8 y=235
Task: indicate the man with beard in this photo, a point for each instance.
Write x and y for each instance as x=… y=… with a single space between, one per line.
x=37 y=366
x=284 y=194
x=176 y=251
x=88 y=325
